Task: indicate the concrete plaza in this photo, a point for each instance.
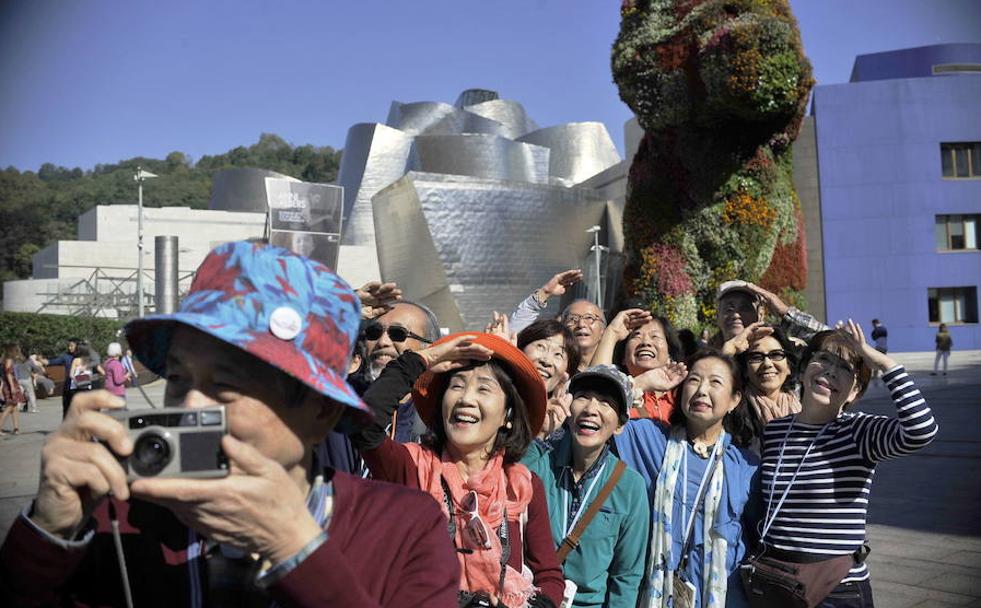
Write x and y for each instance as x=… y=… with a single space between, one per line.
x=925 y=522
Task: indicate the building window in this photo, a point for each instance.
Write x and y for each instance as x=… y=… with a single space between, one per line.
x=961 y=160
x=953 y=304
x=956 y=232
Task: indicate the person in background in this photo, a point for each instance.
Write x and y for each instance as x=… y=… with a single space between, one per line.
x=66 y=360
x=647 y=348
x=43 y=386
x=127 y=361
x=24 y=374
x=532 y=307
x=604 y=559
x=704 y=338
x=769 y=367
x=116 y=375
x=703 y=484
x=10 y=389
x=943 y=343
x=689 y=345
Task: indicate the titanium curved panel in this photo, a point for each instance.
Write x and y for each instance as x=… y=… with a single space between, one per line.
x=474 y=96
x=241 y=189
x=511 y=114
x=436 y=118
x=374 y=156
x=485 y=156
x=467 y=246
x=579 y=150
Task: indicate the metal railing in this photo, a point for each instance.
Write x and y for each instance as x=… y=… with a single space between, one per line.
x=108 y=291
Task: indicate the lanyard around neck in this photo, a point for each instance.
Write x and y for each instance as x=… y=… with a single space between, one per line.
x=771 y=517
x=583 y=502
x=702 y=487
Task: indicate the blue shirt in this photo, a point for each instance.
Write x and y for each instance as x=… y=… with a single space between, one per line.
x=642 y=446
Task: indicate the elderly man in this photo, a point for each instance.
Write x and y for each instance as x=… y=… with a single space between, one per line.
x=268 y=335
x=585 y=319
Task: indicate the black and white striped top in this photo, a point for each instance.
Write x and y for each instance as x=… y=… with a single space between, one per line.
x=825 y=510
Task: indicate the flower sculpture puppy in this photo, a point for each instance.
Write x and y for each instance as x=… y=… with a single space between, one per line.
x=719 y=87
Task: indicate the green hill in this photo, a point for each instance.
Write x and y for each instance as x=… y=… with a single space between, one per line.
x=38 y=208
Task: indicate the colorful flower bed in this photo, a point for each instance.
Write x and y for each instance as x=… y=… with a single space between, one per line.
x=720 y=88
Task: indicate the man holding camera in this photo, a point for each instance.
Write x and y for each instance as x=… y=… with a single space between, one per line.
x=268 y=335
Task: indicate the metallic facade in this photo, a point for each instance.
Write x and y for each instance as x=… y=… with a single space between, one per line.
x=242 y=189
x=471 y=206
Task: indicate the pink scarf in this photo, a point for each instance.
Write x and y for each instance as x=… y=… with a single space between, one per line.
x=767 y=409
x=496 y=486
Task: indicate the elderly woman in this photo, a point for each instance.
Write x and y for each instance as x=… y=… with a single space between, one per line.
x=484 y=402
x=826 y=451
x=640 y=343
x=116 y=375
x=701 y=481
x=598 y=507
x=551 y=348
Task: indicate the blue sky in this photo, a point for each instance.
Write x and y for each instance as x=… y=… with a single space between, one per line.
x=98 y=81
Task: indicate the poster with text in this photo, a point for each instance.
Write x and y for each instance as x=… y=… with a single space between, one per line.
x=306 y=218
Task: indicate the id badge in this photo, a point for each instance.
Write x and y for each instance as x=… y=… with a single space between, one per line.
x=683 y=593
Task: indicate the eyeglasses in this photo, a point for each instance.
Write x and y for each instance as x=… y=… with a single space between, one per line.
x=396 y=333
x=586 y=319
x=475 y=533
x=773 y=355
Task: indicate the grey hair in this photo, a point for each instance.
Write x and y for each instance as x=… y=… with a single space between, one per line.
x=565 y=311
x=432 y=323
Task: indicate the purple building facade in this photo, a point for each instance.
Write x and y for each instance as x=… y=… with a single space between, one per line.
x=899 y=163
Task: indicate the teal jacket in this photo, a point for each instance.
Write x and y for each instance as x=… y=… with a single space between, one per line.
x=608 y=565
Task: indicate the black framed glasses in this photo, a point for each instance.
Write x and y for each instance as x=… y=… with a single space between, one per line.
x=773 y=355
x=396 y=333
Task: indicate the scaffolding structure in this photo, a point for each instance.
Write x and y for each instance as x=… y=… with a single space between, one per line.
x=107 y=292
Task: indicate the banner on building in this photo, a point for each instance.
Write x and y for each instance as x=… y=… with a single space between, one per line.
x=306 y=218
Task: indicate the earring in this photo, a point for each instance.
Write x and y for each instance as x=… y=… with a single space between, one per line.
x=508 y=425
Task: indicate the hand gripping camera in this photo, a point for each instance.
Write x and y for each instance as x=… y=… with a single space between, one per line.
x=175 y=442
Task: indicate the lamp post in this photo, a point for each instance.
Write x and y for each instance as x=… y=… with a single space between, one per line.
x=597 y=249
x=139 y=177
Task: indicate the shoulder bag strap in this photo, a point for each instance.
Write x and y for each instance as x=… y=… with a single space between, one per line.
x=571 y=541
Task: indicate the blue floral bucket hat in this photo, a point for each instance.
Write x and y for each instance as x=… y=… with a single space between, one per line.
x=287 y=310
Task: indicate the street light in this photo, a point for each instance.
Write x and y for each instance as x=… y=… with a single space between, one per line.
x=139 y=177
x=597 y=249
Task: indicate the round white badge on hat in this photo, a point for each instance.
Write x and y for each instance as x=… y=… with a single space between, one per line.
x=285 y=323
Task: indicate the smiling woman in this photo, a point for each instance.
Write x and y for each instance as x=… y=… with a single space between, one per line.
x=701 y=481
x=483 y=401
x=837 y=452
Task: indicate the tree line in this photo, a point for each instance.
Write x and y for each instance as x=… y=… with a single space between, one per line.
x=38 y=208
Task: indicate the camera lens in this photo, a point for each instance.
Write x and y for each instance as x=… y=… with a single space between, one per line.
x=151 y=454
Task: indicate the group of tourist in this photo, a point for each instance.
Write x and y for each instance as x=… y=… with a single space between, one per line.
x=545 y=462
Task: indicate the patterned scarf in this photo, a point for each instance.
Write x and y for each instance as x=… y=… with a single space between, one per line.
x=497 y=486
x=767 y=409
x=660 y=582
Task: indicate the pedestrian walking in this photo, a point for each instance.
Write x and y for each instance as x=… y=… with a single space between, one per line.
x=24 y=374
x=116 y=376
x=66 y=360
x=944 y=343
x=12 y=393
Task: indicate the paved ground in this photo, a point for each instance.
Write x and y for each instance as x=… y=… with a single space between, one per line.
x=925 y=526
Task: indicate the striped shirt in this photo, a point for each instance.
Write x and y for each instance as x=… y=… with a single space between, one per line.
x=825 y=510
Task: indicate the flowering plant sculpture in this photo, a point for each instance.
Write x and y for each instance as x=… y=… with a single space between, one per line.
x=719 y=87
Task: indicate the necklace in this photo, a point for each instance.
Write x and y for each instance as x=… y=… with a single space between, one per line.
x=702 y=449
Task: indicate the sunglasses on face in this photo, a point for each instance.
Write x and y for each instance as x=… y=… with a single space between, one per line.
x=396 y=333
x=586 y=319
x=475 y=532
x=773 y=355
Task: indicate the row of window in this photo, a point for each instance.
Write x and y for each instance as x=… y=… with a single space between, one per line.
x=953 y=304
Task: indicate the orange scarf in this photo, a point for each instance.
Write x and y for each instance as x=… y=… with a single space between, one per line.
x=497 y=486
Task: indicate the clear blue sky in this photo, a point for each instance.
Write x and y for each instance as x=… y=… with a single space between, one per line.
x=97 y=81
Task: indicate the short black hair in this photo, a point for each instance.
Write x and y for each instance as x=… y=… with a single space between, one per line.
x=547 y=328
x=513 y=442
x=675 y=352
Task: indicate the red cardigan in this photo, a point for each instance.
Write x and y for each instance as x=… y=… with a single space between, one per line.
x=371 y=558
x=391 y=461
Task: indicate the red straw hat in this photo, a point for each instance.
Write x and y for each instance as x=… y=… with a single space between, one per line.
x=429 y=388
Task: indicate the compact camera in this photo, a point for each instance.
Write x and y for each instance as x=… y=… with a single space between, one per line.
x=175 y=442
